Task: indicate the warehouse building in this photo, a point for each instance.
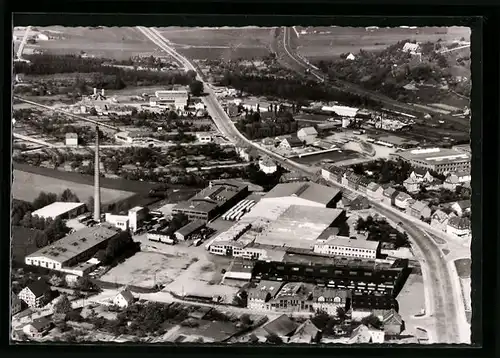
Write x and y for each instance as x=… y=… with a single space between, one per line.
x=185 y=232
x=304 y=193
x=132 y=220
x=172 y=99
x=440 y=160
x=60 y=210
x=72 y=249
x=344 y=246
x=217 y=198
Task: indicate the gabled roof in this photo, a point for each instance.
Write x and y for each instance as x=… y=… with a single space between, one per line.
x=39 y=287
x=419 y=206
x=281 y=326
x=464 y=204
x=459 y=223
x=306 y=331
x=294 y=141
x=127 y=295
x=352 y=177
x=410 y=181
x=364 y=181
x=361 y=334
x=392 y=317
x=403 y=196
x=389 y=192
x=309 y=131
x=440 y=216
x=452 y=179
x=40 y=323
x=373 y=186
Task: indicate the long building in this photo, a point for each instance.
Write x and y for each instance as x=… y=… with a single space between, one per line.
x=60 y=210
x=213 y=200
x=440 y=160
x=175 y=99
x=72 y=249
x=304 y=193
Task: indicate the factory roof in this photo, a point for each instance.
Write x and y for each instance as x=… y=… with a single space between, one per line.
x=190 y=227
x=434 y=156
x=327 y=292
x=299 y=226
x=263 y=289
x=306 y=190
x=244 y=266
x=294 y=289
x=342 y=111
x=348 y=242
x=56 y=209
x=76 y=243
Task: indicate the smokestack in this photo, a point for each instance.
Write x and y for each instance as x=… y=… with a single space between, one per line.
x=97 y=184
x=102 y=92
x=95 y=91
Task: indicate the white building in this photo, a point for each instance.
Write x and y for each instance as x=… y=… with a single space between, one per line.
x=42 y=37
x=307 y=134
x=124 y=299
x=130 y=221
x=344 y=246
x=132 y=137
x=61 y=210
x=173 y=99
x=267 y=165
x=72 y=139
x=350 y=57
x=342 y=111
x=411 y=48
x=204 y=138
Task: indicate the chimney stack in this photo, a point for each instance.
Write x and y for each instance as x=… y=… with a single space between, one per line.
x=102 y=92
x=95 y=91
x=97 y=185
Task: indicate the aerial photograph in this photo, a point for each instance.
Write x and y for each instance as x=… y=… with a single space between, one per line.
x=241 y=185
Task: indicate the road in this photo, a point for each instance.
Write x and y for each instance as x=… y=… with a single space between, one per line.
x=438 y=279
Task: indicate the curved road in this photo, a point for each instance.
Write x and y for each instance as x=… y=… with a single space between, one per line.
x=438 y=279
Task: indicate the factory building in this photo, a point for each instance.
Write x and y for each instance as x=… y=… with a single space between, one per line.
x=131 y=221
x=304 y=193
x=217 y=198
x=440 y=160
x=344 y=246
x=60 y=210
x=172 y=99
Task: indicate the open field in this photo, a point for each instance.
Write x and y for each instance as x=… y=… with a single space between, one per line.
x=242 y=36
x=109 y=42
x=224 y=53
x=27 y=186
x=352 y=39
x=146 y=269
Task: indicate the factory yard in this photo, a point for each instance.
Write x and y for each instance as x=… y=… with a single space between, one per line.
x=27 y=186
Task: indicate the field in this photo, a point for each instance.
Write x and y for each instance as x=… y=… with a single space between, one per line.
x=27 y=186
x=352 y=39
x=109 y=42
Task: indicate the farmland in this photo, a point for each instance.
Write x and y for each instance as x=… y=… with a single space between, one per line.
x=27 y=186
x=332 y=41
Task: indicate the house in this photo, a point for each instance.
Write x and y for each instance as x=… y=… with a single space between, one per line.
x=294 y=297
x=38 y=328
x=436 y=184
x=307 y=332
x=451 y=182
x=282 y=327
x=375 y=191
x=412 y=185
x=188 y=230
x=333 y=173
x=351 y=180
x=402 y=200
x=389 y=196
x=365 y=334
x=393 y=323
x=259 y=297
x=124 y=298
x=359 y=203
x=421 y=175
x=463 y=177
x=459 y=227
x=72 y=139
x=37 y=294
x=411 y=48
x=329 y=300
x=42 y=37
x=267 y=165
x=291 y=143
x=363 y=184
x=419 y=209
x=439 y=220
x=307 y=134
x=350 y=57
x=293 y=177
x=461 y=207
x=15 y=304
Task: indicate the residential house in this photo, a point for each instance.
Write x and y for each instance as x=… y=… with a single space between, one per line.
x=439 y=220
x=307 y=134
x=421 y=175
x=402 y=200
x=38 y=328
x=282 y=327
x=412 y=185
x=359 y=203
x=351 y=180
x=436 y=184
x=363 y=184
x=259 y=297
x=459 y=227
x=451 y=182
x=365 y=334
x=333 y=173
x=350 y=57
x=15 y=304
x=463 y=177
x=71 y=139
x=461 y=207
x=124 y=298
x=291 y=143
x=411 y=48
x=267 y=165
x=37 y=294
x=389 y=196
x=294 y=297
x=419 y=209
x=307 y=332
x=375 y=191
x=329 y=300
x=393 y=323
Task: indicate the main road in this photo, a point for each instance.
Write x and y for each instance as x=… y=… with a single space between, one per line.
x=440 y=303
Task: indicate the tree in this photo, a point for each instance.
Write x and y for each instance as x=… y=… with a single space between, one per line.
x=191 y=74
x=341 y=313
x=245 y=319
x=44 y=199
x=69 y=197
x=373 y=321
x=41 y=239
x=274 y=338
x=196 y=88
x=63 y=305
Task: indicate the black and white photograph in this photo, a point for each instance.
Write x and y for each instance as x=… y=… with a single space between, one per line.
x=241 y=185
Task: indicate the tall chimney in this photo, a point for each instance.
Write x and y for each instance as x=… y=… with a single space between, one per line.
x=95 y=91
x=102 y=92
x=97 y=185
